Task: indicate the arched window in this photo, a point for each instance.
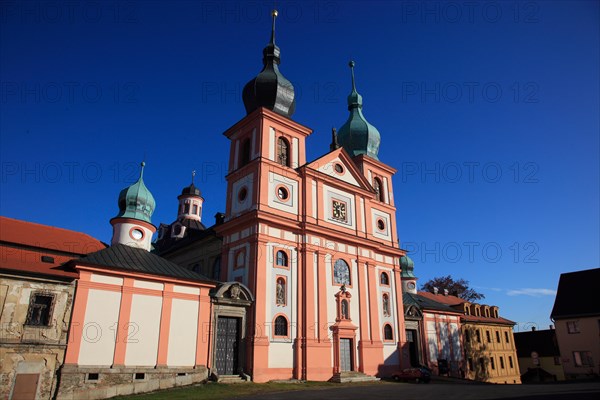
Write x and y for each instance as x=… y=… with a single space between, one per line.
x=341 y=273
x=388 y=333
x=281 y=326
x=245 y=156
x=280 y=292
x=282 y=258
x=195 y=209
x=187 y=208
x=386 y=305
x=283 y=152
x=344 y=310
x=385 y=279
x=378 y=189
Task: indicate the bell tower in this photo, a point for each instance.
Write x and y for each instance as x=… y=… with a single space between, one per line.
x=190 y=202
x=263 y=194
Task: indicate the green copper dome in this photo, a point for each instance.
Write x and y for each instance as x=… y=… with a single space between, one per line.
x=357 y=136
x=408 y=266
x=136 y=201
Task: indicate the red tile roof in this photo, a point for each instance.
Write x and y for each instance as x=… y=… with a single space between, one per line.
x=47 y=237
x=441 y=298
x=455 y=301
x=23 y=244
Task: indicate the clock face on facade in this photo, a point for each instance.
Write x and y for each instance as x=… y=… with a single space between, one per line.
x=411 y=285
x=339 y=210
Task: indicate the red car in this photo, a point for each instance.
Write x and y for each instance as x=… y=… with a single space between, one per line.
x=413 y=374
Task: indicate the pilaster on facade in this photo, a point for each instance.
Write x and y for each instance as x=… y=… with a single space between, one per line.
x=165 y=324
x=204 y=330
x=77 y=319
x=123 y=324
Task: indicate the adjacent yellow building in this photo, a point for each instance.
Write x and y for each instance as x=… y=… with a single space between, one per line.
x=489 y=345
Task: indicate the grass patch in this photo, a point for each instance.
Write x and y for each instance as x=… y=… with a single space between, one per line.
x=219 y=391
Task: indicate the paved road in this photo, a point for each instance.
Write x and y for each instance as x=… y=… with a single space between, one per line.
x=444 y=391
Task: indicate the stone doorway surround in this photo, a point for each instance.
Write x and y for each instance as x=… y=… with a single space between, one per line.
x=231 y=300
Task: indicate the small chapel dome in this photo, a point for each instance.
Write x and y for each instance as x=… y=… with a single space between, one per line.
x=191 y=190
x=136 y=201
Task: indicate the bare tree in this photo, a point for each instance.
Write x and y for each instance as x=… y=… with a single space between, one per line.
x=458 y=287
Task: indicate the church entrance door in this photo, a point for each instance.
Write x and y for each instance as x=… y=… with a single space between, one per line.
x=227 y=345
x=346 y=354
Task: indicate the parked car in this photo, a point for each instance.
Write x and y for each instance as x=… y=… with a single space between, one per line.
x=413 y=374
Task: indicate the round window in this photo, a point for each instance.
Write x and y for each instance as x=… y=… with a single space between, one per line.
x=242 y=194
x=137 y=234
x=380 y=224
x=282 y=193
x=338 y=168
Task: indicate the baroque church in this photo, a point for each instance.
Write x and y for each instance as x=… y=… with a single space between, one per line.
x=315 y=243
x=300 y=278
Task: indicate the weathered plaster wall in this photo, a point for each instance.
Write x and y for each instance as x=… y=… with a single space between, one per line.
x=31 y=349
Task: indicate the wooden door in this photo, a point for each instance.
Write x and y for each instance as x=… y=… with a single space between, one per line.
x=226 y=357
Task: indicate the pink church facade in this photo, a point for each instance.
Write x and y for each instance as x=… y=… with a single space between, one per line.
x=320 y=233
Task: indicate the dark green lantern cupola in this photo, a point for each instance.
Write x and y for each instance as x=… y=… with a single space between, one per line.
x=407 y=266
x=357 y=136
x=136 y=201
x=270 y=89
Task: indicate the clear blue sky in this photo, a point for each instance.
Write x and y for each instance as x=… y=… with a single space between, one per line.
x=490 y=113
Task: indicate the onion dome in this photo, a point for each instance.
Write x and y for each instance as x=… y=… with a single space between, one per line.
x=408 y=266
x=136 y=201
x=192 y=189
x=357 y=136
x=270 y=89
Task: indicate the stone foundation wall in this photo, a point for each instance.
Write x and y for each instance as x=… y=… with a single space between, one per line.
x=75 y=382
